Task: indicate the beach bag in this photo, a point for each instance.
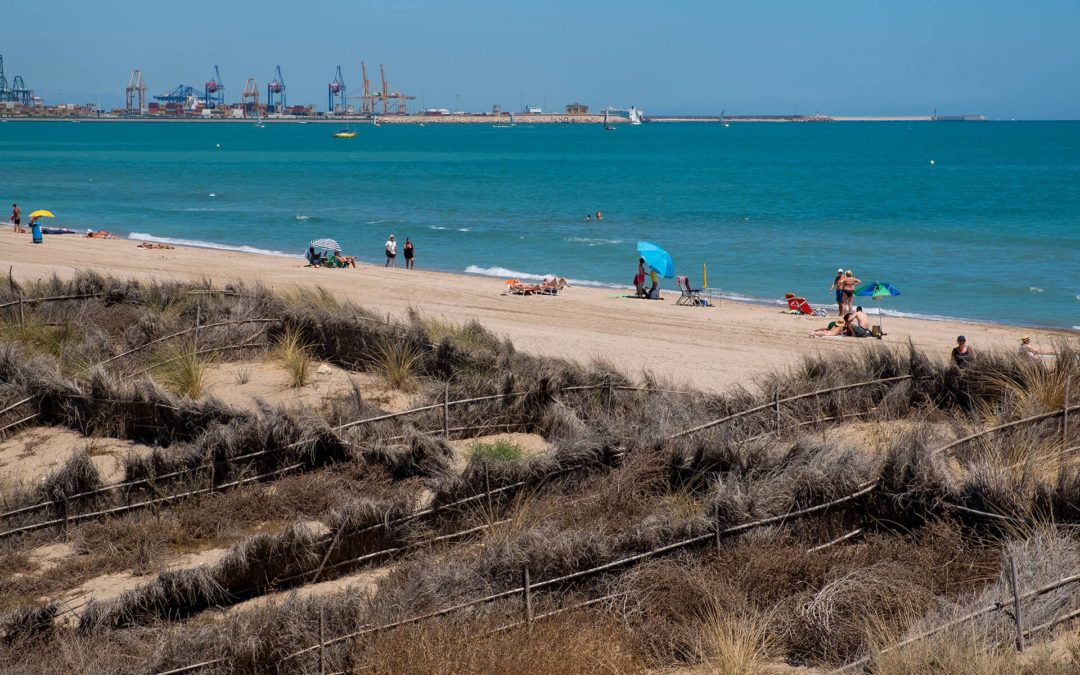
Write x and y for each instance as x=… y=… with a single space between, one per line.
x=875 y=331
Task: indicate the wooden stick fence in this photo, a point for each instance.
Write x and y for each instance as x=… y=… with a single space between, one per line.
x=444 y=405
x=54 y=298
x=864 y=489
x=997 y=606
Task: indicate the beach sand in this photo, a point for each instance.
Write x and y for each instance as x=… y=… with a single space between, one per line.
x=710 y=348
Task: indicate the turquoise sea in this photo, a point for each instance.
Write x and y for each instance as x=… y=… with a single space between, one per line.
x=989 y=231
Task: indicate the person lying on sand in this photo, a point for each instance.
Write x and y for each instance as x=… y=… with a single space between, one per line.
x=100 y=234
x=835 y=328
x=150 y=245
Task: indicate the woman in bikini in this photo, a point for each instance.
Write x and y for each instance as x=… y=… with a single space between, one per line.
x=848 y=285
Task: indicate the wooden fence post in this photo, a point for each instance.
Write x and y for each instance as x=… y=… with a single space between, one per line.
x=322 y=640
x=776 y=398
x=446 y=413
x=1017 y=617
x=1065 y=411
x=528 y=597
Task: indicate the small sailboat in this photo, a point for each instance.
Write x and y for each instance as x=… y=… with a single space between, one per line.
x=607 y=124
x=345 y=133
x=258 y=119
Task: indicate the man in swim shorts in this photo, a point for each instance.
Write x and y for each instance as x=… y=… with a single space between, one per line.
x=391 y=252
x=839 y=291
x=16 y=218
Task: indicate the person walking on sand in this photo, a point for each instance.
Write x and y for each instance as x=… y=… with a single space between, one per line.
x=848 y=285
x=16 y=219
x=410 y=254
x=963 y=355
x=839 y=291
x=391 y=252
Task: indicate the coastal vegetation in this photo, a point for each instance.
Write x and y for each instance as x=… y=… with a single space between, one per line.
x=859 y=512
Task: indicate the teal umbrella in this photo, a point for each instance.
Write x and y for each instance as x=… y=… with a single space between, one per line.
x=657 y=258
x=876 y=290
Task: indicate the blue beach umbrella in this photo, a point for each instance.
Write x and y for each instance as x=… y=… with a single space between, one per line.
x=876 y=290
x=657 y=258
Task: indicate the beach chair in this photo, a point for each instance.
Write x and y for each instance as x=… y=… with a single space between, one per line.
x=797 y=305
x=688 y=296
x=515 y=287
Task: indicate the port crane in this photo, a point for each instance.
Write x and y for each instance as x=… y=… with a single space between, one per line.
x=336 y=90
x=4 y=91
x=275 y=94
x=393 y=102
x=136 y=88
x=249 y=99
x=214 y=91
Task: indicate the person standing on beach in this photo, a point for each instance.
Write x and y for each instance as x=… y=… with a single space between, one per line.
x=839 y=291
x=963 y=355
x=639 y=279
x=848 y=285
x=391 y=252
x=16 y=219
x=410 y=253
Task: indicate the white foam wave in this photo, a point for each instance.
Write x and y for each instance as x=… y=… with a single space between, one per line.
x=528 y=276
x=593 y=242
x=464 y=229
x=437 y=227
x=142 y=236
x=301 y=216
x=1036 y=289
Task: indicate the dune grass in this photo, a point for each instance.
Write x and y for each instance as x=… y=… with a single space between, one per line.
x=293 y=353
x=181 y=370
x=397 y=362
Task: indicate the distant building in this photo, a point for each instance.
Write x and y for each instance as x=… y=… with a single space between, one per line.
x=577 y=109
x=534 y=110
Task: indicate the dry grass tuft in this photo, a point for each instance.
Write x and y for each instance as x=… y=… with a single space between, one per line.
x=293 y=353
x=397 y=361
x=731 y=642
x=181 y=370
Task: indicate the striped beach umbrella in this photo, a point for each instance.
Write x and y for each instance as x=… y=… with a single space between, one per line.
x=326 y=244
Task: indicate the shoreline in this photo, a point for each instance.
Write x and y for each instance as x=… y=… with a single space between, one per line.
x=715 y=349
x=727 y=296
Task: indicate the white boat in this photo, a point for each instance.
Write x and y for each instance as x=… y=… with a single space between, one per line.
x=636 y=116
x=258 y=119
x=607 y=124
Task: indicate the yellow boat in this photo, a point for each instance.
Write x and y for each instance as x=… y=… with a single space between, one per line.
x=345 y=134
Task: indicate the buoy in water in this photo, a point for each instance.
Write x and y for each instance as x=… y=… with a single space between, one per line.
x=931 y=162
x=219 y=145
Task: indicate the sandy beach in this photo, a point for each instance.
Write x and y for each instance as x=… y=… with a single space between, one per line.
x=711 y=348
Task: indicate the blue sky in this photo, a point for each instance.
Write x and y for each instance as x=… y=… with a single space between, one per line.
x=1003 y=59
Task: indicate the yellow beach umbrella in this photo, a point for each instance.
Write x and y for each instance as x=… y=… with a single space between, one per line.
x=42 y=213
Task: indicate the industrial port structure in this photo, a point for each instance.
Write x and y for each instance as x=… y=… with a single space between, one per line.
x=17 y=91
x=381 y=102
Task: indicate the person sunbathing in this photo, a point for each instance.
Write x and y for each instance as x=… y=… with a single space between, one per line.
x=100 y=234
x=833 y=329
x=515 y=287
x=313 y=257
x=553 y=285
x=344 y=260
x=149 y=245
